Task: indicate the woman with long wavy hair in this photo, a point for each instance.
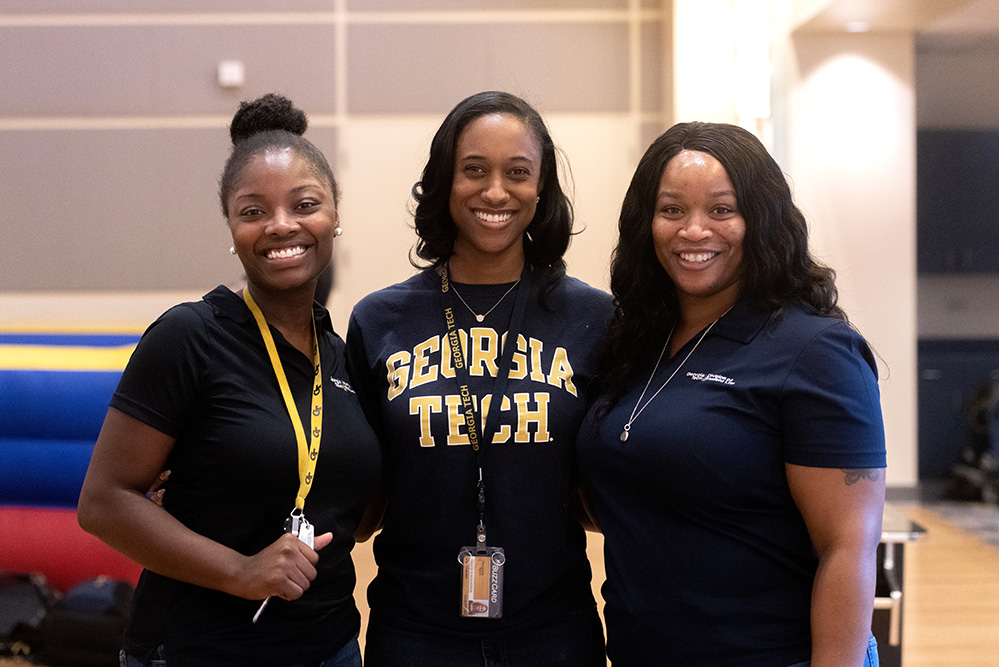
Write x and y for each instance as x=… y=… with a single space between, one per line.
x=734 y=460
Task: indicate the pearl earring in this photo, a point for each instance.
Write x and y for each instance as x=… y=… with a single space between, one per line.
x=232 y=250
x=338 y=231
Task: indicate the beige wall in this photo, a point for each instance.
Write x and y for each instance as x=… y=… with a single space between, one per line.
x=112 y=130
x=851 y=156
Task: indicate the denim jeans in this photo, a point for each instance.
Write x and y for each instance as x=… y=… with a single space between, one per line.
x=574 y=640
x=348 y=656
x=871 y=660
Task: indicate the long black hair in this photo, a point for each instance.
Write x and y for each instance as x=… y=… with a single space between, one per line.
x=547 y=236
x=779 y=268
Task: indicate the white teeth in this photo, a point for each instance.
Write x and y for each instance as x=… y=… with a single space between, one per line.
x=283 y=253
x=493 y=217
x=697 y=257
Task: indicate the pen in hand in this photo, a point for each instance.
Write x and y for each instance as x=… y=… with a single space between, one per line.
x=263 y=605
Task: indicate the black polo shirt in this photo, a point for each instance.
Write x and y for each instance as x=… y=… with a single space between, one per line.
x=201 y=375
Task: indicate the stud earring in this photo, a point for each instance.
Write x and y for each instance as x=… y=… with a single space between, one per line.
x=538 y=200
x=338 y=231
x=232 y=250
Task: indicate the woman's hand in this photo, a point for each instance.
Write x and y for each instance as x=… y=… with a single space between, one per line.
x=156 y=491
x=285 y=569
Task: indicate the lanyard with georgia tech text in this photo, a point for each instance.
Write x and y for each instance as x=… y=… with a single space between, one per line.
x=479 y=436
x=308 y=452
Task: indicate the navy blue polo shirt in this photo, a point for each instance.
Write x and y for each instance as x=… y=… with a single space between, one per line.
x=708 y=559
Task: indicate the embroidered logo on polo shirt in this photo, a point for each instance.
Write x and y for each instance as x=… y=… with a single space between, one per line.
x=710 y=377
x=340 y=384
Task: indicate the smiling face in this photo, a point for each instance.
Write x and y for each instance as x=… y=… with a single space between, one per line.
x=698 y=231
x=494 y=196
x=282 y=216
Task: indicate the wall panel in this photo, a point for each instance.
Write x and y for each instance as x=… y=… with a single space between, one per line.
x=400 y=68
x=480 y=5
x=20 y=7
x=654 y=66
x=117 y=209
x=112 y=124
x=160 y=69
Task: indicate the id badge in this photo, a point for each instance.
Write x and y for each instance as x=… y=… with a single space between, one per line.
x=299 y=526
x=482 y=581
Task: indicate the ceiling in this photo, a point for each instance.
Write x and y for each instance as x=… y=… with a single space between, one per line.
x=972 y=27
x=979 y=17
x=938 y=24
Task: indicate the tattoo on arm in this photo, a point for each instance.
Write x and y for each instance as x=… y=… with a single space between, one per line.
x=854 y=475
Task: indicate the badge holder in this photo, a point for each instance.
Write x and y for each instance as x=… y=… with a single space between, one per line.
x=299 y=526
x=482 y=578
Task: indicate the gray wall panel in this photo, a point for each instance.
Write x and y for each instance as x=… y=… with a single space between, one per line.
x=161 y=70
x=129 y=209
x=16 y=7
x=132 y=206
x=465 y=5
x=648 y=133
x=654 y=65
x=563 y=67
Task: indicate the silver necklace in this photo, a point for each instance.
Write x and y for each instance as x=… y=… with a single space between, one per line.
x=636 y=411
x=479 y=318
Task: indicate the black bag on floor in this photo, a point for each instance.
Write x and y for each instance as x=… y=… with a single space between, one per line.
x=85 y=628
x=24 y=601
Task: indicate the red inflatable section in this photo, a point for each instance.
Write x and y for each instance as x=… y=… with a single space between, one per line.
x=51 y=542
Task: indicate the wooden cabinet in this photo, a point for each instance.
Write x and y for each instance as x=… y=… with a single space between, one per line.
x=957 y=201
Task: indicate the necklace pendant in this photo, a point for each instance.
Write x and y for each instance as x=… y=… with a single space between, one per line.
x=624 y=436
x=479 y=318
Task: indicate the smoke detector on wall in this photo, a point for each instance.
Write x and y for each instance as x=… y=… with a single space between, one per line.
x=231 y=73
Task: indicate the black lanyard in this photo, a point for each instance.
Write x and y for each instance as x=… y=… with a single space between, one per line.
x=472 y=415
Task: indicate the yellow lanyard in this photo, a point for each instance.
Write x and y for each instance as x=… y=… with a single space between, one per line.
x=308 y=452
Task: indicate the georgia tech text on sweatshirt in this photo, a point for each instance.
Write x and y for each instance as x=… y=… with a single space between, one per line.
x=432 y=360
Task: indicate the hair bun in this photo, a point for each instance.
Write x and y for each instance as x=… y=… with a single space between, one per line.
x=267 y=113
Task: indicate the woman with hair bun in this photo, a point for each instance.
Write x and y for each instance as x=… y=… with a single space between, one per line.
x=244 y=397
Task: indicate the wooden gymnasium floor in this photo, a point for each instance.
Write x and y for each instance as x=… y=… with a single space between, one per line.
x=951 y=614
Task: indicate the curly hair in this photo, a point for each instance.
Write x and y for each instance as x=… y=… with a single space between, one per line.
x=779 y=268
x=270 y=122
x=547 y=236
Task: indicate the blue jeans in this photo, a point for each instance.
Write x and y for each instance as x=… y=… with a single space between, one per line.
x=348 y=656
x=871 y=660
x=574 y=640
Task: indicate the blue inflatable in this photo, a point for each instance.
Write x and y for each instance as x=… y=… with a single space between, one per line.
x=54 y=394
